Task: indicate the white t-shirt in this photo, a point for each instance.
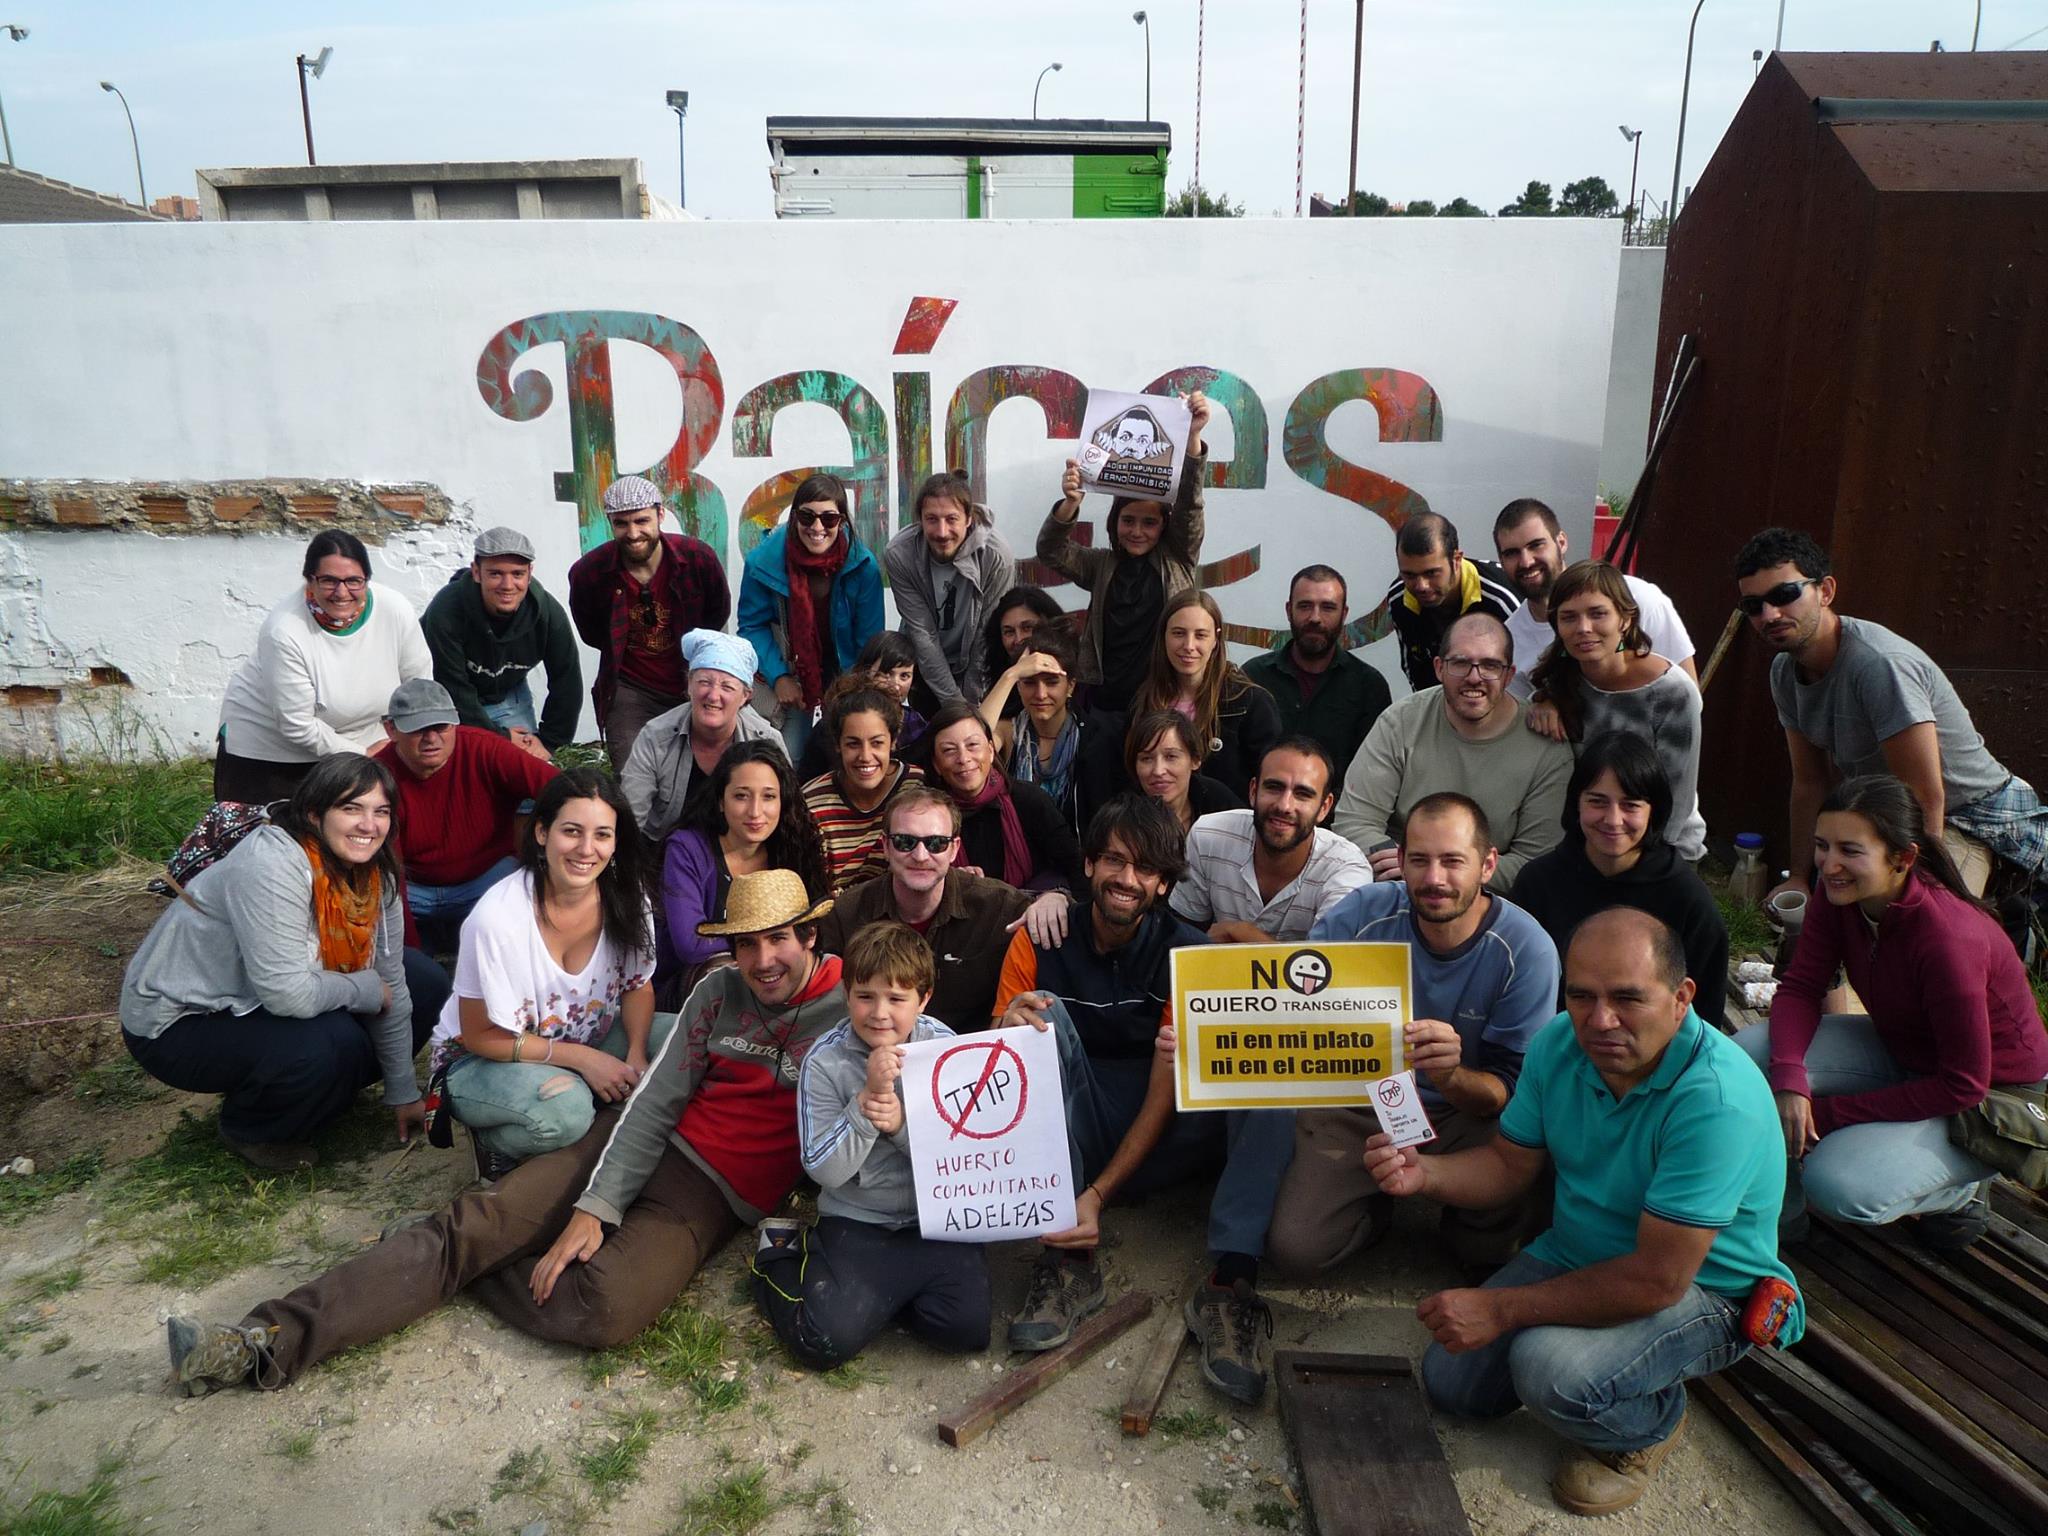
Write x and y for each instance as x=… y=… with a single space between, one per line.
x=505 y=962
x=1659 y=618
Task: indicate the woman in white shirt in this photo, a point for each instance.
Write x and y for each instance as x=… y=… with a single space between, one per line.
x=325 y=664
x=553 y=1009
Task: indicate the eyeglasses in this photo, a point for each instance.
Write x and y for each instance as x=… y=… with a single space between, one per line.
x=826 y=520
x=1492 y=668
x=935 y=843
x=341 y=583
x=1783 y=595
x=1114 y=864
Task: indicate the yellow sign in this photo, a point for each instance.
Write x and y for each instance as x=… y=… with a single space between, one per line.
x=1287 y=1026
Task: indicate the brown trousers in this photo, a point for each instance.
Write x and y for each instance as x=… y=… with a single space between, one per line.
x=1330 y=1208
x=487 y=1242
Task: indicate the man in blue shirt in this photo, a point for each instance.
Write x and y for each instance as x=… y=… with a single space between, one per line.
x=1485 y=981
x=1666 y=1218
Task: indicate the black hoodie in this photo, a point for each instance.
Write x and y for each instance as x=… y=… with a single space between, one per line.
x=479 y=657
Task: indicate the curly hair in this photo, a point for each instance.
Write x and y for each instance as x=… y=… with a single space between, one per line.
x=794 y=843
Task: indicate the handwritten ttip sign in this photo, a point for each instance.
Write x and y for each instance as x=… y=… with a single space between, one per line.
x=988 y=1137
x=1287 y=1026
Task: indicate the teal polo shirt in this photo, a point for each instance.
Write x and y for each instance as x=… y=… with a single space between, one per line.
x=1697 y=1143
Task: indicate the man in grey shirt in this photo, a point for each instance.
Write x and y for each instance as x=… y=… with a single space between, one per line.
x=1855 y=698
x=945 y=569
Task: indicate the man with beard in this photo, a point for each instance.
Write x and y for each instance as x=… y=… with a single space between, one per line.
x=1484 y=979
x=633 y=598
x=1322 y=689
x=1271 y=872
x=1438 y=584
x=1466 y=736
x=1105 y=991
x=1532 y=547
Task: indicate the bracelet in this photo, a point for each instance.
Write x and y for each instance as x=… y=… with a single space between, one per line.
x=551 y=1051
x=1098 y=1193
x=518 y=1044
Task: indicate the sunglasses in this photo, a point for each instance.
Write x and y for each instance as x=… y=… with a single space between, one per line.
x=935 y=843
x=1783 y=595
x=827 y=520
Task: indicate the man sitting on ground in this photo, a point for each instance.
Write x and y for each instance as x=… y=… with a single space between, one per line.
x=675 y=747
x=1106 y=992
x=460 y=794
x=1485 y=982
x=488 y=628
x=707 y=1143
x=1466 y=736
x=1270 y=872
x=1438 y=584
x=1670 y=1171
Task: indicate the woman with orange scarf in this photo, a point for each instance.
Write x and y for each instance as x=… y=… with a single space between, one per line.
x=279 y=978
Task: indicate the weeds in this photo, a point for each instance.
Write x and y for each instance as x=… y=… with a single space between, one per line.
x=119 y=1083
x=1211 y=1497
x=682 y=1348
x=64 y=818
x=853 y=1375
x=524 y=1472
x=95 y=1510
x=735 y=1505
x=615 y=1466
x=1190 y=1424
x=20 y=1196
x=1749 y=931
x=50 y=1284
x=300 y=1446
x=1273 y=1515
x=445 y=1519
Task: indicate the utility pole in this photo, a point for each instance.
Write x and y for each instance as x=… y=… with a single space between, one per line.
x=1357 y=74
x=679 y=103
x=1684 y=100
x=316 y=68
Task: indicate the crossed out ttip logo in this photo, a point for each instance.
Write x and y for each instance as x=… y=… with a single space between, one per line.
x=1390 y=1091
x=979 y=1089
x=1307 y=971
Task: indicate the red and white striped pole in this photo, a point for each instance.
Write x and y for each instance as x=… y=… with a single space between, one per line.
x=1201 y=11
x=1301 y=110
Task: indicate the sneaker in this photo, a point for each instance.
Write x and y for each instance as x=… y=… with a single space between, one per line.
x=491 y=1166
x=1953 y=1231
x=1607 y=1482
x=1232 y=1326
x=1061 y=1293
x=272 y=1156
x=777 y=1234
x=209 y=1355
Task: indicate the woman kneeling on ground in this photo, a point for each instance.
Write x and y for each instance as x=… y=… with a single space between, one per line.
x=279 y=978
x=553 y=1010
x=1866 y=1101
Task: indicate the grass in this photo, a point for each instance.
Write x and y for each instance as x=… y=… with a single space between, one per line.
x=64 y=818
x=119 y=1083
x=95 y=1510
x=300 y=1446
x=50 y=1284
x=735 y=1505
x=1213 y=1498
x=615 y=1466
x=682 y=1349
x=22 y=1196
x=1190 y=1424
x=1748 y=929
x=524 y=1473
x=1273 y=1514
x=853 y=1375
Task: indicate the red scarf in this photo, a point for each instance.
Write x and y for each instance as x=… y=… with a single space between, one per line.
x=806 y=651
x=1017 y=863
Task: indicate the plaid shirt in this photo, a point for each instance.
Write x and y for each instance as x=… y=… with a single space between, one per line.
x=2012 y=823
x=689 y=582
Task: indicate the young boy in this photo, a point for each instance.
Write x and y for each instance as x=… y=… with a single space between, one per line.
x=829 y=1289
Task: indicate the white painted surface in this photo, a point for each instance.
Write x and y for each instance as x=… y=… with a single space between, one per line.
x=1632 y=368
x=350 y=350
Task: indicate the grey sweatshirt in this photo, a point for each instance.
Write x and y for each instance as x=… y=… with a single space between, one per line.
x=863 y=1174
x=246 y=940
x=990 y=570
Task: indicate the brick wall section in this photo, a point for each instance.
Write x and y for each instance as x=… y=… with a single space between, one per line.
x=182 y=508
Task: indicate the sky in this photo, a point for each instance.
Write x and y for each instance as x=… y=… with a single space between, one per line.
x=1470 y=98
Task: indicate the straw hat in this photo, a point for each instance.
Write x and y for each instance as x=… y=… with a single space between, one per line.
x=759 y=903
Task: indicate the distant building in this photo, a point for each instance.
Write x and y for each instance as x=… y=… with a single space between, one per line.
x=184 y=209
x=26 y=198
x=967 y=168
x=480 y=189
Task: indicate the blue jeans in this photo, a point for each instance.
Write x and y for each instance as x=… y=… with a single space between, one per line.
x=525 y=1108
x=439 y=910
x=1252 y=1147
x=514 y=710
x=1881 y=1170
x=1614 y=1389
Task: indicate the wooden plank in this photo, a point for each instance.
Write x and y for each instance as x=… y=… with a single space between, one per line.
x=1755 y=1433
x=1858 y=1490
x=1148 y=1387
x=2022 y=1244
x=2017 y=1300
x=1042 y=1370
x=1947 y=1281
x=2020 y=1206
x=1371 y=1464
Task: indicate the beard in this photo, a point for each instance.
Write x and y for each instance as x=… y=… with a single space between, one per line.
x=1314 y=642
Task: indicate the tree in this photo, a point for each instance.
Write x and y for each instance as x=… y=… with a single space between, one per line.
x=1534 y=203
x=1421 y=208
x=1461 y=208
x=1588 y=199
x=1182 y=204
x=1369 y=205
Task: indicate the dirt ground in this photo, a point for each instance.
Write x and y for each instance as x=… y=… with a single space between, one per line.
x=460 y=1424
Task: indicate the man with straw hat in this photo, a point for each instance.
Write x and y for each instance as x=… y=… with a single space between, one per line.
x=707 y=1143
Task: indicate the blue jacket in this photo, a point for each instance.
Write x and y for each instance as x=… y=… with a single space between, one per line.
x=856 y=606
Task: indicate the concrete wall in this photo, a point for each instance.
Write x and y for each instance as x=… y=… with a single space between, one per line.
x=1362 y=371
x=1631 y=367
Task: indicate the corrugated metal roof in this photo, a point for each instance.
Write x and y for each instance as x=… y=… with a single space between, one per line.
x=26 y=198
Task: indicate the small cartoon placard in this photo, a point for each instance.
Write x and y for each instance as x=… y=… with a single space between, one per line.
x=1132 y=445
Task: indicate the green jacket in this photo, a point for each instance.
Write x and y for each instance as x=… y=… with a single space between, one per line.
x=479 y=658
x=1338 y=714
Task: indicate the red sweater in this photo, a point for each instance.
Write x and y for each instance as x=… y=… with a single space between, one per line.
x=1946 y=992
x=457 y=824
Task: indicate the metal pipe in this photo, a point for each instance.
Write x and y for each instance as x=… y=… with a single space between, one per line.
x=306 y=110
x=1779 y=45
x=1357 y=74
x=1145 y=21
x=142 y=191
x=1873 y=109
x=1684 y=100
x=18 y=33
x=1034 y=89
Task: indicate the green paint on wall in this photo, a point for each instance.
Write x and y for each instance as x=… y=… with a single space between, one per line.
x=1126 y=186
x=974 y=186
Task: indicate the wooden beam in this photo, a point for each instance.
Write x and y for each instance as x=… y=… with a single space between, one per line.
x=1042 y=1370
x=1148 y=1388
x=1371 y=1464
x=1862 y=1494
x=1814 y=1493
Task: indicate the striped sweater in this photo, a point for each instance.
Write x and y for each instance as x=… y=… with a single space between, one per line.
x=852 y=838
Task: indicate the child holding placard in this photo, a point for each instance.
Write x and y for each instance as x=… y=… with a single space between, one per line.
x=830 y=1288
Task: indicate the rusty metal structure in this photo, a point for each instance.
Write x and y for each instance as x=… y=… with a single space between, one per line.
x=1863 y=268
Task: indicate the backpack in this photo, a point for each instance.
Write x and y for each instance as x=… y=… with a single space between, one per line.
x=224 y=825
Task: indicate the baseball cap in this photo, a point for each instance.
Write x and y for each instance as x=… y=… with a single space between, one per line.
x=418 y=703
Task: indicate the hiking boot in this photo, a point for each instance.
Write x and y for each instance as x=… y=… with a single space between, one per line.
x=1061 y=1293
x=272 y=1156
x=491 y=1166
x=1232 y=1326
x=1606 y=1482
x=1953 y=1231
x=209 y=1355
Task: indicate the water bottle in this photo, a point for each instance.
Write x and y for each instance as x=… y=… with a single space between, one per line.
x=1749 y=881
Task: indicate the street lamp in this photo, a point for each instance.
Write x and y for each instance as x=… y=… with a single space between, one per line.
x=17 y=33
x=679 y=103
x=1635 y=137
x=1034 y=89
x=316 y=67
x=142 y=192
x=1684 y=100
x=1146 y=22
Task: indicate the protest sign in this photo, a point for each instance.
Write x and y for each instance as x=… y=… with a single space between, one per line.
x=1131 y=445
x=1399 y=1106
x=1287 y=1026
x=988 y=1136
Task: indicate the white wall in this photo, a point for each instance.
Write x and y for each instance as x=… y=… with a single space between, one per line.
x=351 y=351
x=1632 y=368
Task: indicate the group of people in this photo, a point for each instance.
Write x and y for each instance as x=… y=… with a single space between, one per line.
x=678 y=993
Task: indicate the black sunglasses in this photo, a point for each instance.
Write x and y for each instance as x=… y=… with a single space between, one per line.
x=1783 y=595
x=935 y=843
x=819 y=519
